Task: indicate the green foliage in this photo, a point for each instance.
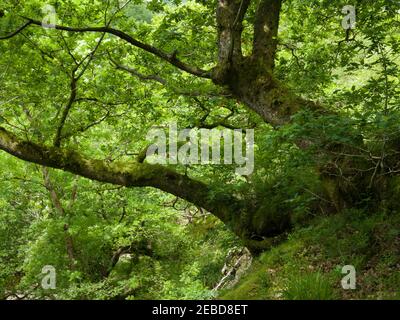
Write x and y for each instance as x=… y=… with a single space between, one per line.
x=166 y=257
x=108 y=242
x=312 y=286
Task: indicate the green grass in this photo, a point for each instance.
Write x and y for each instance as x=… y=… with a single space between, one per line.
x=309 y=286
x=308 y=264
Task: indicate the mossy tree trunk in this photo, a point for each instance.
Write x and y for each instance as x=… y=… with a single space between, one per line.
x=250 y=79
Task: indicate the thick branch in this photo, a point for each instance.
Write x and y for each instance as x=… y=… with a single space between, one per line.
x=266 y=31
x=230 y=15
x=128 y=174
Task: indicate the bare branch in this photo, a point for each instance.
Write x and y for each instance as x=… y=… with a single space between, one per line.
x=170 y=58
x=137 y=74
x=175 y=89
x=72 y=98
x=19 y=30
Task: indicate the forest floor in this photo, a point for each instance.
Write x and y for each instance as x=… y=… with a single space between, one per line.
x=308 y=265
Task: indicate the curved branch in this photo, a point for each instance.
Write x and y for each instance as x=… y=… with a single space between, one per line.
x=170 y=58
x=127 y=174
x=19 y=30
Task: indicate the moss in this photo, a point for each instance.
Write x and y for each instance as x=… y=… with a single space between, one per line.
x=309 y=286
x=330 y=188
x=270 y=220
x=254 y=287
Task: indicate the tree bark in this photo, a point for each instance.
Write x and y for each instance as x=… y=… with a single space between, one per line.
x=250 y=79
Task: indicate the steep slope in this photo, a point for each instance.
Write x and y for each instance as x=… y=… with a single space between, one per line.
x=309 y=264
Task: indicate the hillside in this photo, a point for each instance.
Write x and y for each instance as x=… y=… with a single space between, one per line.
x=308 y=264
